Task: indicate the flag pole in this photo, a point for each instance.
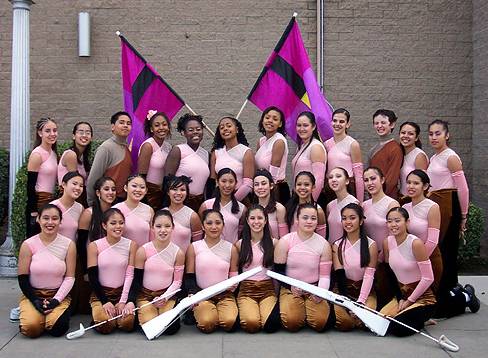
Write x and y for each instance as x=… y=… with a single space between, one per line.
x=242 y=108
x=205 y=126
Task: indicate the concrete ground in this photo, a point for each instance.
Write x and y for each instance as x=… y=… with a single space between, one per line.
x=469 y=331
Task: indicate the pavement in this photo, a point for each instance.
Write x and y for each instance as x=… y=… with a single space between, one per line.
x=468 y=331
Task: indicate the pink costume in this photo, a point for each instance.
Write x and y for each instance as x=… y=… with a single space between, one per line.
x=159 y=267
x=334 y=219
x=408 y=166
x=375 y=220
x=48 y=171
x=155 y=172
x=181 y=235
x=113 y=262
x=194 y=164
x=265 y=152
x=257 y=260
x=339 y=156
x=419 y=224
x=62 y=170
x=212 y=265
x=302 y=162
x=137 y=222
x=71 y=217
x=277 y=229
x=231 y=221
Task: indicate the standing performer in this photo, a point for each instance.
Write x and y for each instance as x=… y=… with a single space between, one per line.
x=344 y=151
x=257 y=300
x=230 y=149
x=387 y=154
x=208 y=262
x=272 y=150
x=152 y=156
x=111 y=270
x=355 y=257
x=190 y=159
x=112 y=159
x=46 y=275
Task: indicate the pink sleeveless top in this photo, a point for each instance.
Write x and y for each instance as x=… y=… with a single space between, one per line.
x=303 y=258
x=194 y=164
x=62 y=170
x=181 y=235
x=233 y=159
x=302 y=162
x=439 y=174
x=71 y=218
x=112 y=262
x=159 y=266
x=375 y=219
x=212 y=265
x=48 y=263
x=231 y=221
x=155 y=172
x=137 y=222
x=257 y=260
x=48 y=170
x=265 y=152
x=351 y=257
x=339 y=154
x=402 y=260
x=408 y=166
x=334 y=219
x=273 y=225
x=419 y=218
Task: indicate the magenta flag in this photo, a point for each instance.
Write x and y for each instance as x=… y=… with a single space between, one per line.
x=289 y=83
x=144 y=90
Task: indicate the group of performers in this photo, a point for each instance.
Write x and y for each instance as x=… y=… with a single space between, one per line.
x=190 y=219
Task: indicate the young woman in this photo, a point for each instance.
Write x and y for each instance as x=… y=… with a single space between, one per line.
x=338 y=179
x=414 y=156
x=190 y=159
x=46 y=269
x=355 y=257
x=265 y=195
x=111 y=270
x=230 y=149
x=152 y=155
x=311 y=155
x=42 y=169
x=210 y=261
x=232 y=210
x=306 y=256
x=409 y=275
x=304 y=187
x=272 y=150
x=344 y=151
x=138 y=216
x=159 y=270
x=188 y=227
x=257 y=300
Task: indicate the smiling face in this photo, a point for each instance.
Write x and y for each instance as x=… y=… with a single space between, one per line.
x=107 y=192
x=373 y=182
x=213 y=225
x=305 y=128
x=193 y=132
x=136 y=189
x=415 y=187
x=272 y=121
x=83 y=135
x=227 y=129
x=438 y=136
x=304 y=187
x=227 y=184
x=307 y=220
x=262 y=186
x=178 y=195
x=382 y=125
x=339 y=123
x=397 y=225
x=408 y=136
x=162 y=228
x=74 y=187
x=114 y=226
x=49 y=221
x=160 y=128
x=337 y=179
x=49 y=133
x=122 y=127
x=256 y=220
x=350 y=221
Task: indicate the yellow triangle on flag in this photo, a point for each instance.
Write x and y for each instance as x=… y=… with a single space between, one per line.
x=306 y=100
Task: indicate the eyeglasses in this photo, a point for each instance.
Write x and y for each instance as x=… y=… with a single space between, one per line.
x=87 y=133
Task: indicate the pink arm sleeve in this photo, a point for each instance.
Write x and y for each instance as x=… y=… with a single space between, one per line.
x=425 y=282
x=324 y=274
x=196 y=235
x=357 y=169
x=321 y=229
x=463 y=191
x=432 y=240
x=177 y=280
x=368 y=279
x=64 y=289
x=129 y=275
x=245 y=189
x=318 y=171
x=282 y=229
x=274 y=171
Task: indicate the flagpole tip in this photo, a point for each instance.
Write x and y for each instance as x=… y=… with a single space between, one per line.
x=117 y=33
x=295 y=14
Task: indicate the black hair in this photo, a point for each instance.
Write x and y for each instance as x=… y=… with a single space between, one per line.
x=235 y=204
x=37 y=140
x=47 y=207
x=281 y=129
x=424 y=178
x=95 y=230
x=364 y=245
x=162 y=212
x=109 y=212
x=418 y=142
x=116 y=116
x=184 y=119
x=149 y=122
x=304 y=206
x=392 y=118
x=315 y=133
x=172 y=182
x=292 y=204
x=342 y=111
x=346 y=175
x=135 y=175
x=83 y=158
x=207 y=212
x=218 y=142
x=70 y=175
x=378 y=172
x=401 y=210
x=271 y=206
x=444 y=124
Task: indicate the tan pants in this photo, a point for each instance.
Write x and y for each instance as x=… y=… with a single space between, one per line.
x=32 y=322
x=256 y=300
x=149 y=312
x=218 y=311
x=296 y=311
x=99 y=315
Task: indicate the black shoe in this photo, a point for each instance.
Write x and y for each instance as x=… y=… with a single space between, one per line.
x=474 y=303
x=189 y=318
x=457 y=288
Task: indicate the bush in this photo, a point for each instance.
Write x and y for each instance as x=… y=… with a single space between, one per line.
x=4 y=177
x=475 y=226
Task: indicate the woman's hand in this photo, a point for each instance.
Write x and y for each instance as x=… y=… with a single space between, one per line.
x=127 y=309
x=109 y=309
x=316 y=299
x=403 y=304
x=463 y=225
x=160 y=303
x=297 y=292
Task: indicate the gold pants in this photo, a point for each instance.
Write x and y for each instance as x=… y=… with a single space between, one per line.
x=256 y=300
x=427 y=298
x=149 y=312
x=154 y=196
x=99 y=315
x=218 y=311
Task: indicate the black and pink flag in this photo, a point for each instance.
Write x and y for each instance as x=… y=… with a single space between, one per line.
x=289 y=83
x=144 y=90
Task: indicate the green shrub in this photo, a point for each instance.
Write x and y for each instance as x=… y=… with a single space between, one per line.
x=475 y=226
x=4 y=177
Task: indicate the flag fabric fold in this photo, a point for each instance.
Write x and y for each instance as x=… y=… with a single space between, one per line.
x=289 y=83
x=144 y=89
